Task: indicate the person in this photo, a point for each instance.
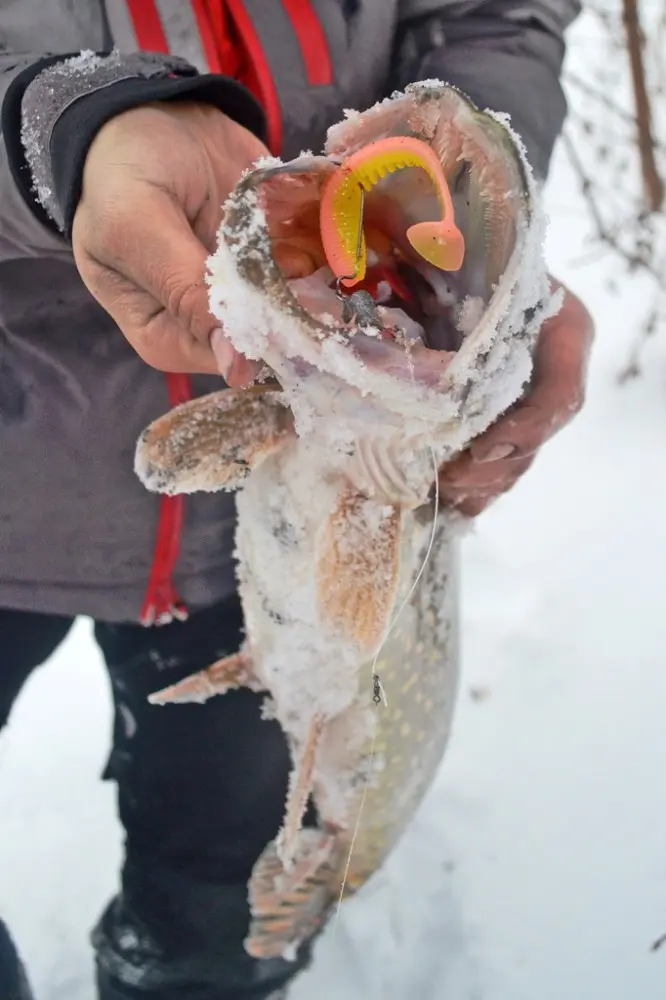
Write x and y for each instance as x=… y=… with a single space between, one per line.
x=119 y=148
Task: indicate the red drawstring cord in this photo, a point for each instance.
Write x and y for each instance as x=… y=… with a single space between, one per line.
x=232 y=46
x=162 y=602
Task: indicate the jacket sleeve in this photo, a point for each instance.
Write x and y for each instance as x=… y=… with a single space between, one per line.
x=52 y=108
x=505 y=54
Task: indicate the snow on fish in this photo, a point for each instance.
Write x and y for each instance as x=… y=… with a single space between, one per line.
x=393 y=287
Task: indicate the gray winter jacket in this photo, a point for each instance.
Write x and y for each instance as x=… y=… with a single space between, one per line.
x=77 y=529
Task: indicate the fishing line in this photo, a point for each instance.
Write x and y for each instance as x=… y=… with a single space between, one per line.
x=379 y=694
x=421 y=571
x=355 y=834
x=359 y=249
x=377 y=682
x=428 y=553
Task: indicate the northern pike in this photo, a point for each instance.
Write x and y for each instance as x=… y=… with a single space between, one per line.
x=393 y=287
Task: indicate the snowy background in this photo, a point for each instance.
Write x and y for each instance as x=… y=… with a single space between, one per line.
x=536 y=869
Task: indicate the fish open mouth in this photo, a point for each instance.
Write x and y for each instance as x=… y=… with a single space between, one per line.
x=402 y=314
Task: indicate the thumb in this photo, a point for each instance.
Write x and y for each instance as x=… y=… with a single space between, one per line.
x=237 y=370
x=172 y=269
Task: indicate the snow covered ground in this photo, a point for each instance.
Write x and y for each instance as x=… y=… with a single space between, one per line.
x=536 y=869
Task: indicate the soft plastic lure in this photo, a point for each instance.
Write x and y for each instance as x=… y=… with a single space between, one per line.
x=343 y=198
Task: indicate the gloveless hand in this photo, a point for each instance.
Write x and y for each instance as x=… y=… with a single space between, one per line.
x=499 y=457
x=154 y=183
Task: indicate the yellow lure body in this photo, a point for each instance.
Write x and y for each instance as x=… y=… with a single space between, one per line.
x=341 y=214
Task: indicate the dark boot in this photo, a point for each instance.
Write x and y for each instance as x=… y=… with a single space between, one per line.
x=204 y=960
x=13 y=979
x=110 y=989
x=201 y=791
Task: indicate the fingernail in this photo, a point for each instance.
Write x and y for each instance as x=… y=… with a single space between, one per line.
x=494 y=454
x=223 y=351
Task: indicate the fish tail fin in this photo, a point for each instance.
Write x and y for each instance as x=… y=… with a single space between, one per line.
x=440 y=243
x=224 y=675
x=289 y=907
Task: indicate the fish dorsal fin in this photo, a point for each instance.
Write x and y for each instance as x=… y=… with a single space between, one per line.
x=357 y=567
x=213 y=442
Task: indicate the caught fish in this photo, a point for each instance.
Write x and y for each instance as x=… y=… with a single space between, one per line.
x=393 y=288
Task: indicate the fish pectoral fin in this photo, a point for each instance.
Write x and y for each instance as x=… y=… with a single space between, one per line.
x=357 y=567
x=288 y=908
x=213 y=442
x=300 y=786
x=224 y=675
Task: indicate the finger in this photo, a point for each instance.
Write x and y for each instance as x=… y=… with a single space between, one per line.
x=471 y=499
x=149 y=241
x=472 y=508
x=557 y=392
x=464 y=470
x=150 y=279
x=156 y=337
x=487 y=477
x=468 y=504
x=237 y=370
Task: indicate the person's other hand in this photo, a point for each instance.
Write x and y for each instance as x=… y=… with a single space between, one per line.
x=154 y=183
x=498 y=458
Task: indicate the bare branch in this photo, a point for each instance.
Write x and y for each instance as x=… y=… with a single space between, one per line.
x=603 y=233
x=608 y=103
x=654 y=185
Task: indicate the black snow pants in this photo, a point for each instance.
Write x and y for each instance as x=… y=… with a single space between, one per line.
x=201 y=790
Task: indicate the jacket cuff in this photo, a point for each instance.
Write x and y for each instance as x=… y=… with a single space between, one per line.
x=55 y=108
